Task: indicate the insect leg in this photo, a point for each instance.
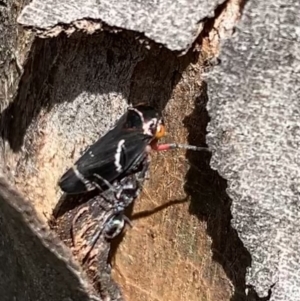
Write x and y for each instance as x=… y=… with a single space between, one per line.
x=108 y=184
x=122 y=199
x=120 y=195
x=110 y=196
x=115 y=220
x=97 y=236
x=115 y=225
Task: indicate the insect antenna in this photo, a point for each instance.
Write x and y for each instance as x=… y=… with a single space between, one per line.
x=169 y=146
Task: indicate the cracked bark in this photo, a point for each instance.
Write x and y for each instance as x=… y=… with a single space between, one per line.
x=60 y=93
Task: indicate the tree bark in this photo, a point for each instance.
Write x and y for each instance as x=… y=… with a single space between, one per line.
x=66 y=86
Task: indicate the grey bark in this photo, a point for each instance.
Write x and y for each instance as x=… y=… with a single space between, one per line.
x=255 y=137
x=35 y=265
x=156 y=20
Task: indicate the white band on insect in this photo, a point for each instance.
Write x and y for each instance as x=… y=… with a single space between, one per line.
x=118 y=155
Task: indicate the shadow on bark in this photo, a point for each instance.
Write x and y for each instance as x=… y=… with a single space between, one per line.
x=70 y=65
x=210 y=202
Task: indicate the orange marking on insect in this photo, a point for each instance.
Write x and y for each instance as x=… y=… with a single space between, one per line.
x=160 y=131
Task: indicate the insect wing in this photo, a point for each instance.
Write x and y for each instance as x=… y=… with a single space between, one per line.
x=111 y=157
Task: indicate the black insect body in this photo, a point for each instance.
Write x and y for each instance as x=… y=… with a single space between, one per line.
x=117 y=154
x=117 y=164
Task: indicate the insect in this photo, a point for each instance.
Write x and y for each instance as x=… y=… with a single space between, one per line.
x=89 y=227
x=127 y=190
x=118 y=162
x=120 y=152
